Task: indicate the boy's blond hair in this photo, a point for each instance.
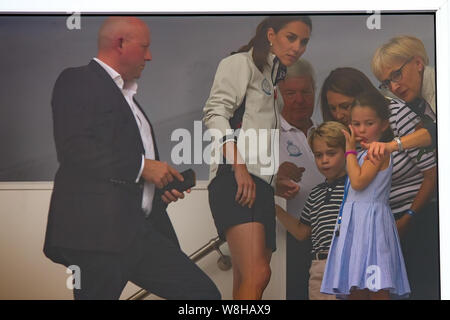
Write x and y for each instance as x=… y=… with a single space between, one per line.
x=331 y=132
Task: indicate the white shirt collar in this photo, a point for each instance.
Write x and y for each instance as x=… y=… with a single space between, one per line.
x=286 y=126
x=131 y=85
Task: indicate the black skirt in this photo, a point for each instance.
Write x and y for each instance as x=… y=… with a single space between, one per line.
x=227 y=212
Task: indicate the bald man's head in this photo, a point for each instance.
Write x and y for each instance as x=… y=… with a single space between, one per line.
x=123 y=43
x=114 y=28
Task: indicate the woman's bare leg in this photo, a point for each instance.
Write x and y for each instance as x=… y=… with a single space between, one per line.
x=251 y=260
x=236 y=279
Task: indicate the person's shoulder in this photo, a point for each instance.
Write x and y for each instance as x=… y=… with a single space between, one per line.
x=395 y=103
x=400 y=109
x=238 y=58
x=73 y=73
x=238 y=65
x=73 y=80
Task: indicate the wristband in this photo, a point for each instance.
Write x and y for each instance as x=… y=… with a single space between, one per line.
x=351 y=152
x=399 y=144
x=411 y=212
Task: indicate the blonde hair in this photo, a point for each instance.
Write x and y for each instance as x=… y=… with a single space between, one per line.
x=331 y=132
x=398 y=49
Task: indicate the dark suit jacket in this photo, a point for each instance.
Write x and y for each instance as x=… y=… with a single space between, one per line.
x=96 y=202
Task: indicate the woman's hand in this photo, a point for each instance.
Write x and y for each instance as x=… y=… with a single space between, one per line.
x=246 y=193
x=377 y=150
x=403 y=225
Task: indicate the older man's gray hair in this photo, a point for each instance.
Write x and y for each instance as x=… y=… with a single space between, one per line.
x=302 y=68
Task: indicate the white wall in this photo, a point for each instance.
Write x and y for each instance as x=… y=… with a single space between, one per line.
x=25 y=273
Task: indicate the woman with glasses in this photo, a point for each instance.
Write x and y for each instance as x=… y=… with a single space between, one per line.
x=402 y=67
x=413 y=179
x=241 y=195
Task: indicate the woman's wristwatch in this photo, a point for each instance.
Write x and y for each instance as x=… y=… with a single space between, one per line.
x=399 y=144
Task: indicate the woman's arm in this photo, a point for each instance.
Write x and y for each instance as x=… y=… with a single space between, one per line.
x=419 y=138
x=424 y=195
x=246 y=193
x=426 y=190
x=299 y=230
x=227 y=93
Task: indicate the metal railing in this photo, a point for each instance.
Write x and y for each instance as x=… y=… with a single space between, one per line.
x=224 y=262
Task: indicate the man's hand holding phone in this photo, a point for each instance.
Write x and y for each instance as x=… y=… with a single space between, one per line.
x=169 y=179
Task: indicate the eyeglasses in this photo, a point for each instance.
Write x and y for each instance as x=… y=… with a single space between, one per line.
x=396 y=76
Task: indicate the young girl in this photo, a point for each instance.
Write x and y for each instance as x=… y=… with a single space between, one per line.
x=365 y=259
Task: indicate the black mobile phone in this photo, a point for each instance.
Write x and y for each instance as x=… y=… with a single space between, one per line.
x=181 y=186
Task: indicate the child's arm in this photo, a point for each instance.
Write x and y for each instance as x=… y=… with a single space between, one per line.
x=361 y=177
x=299 y=230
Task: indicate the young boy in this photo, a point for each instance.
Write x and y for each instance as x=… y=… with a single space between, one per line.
x=318 y=218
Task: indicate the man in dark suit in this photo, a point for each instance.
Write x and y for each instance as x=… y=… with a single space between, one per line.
x=107 y=212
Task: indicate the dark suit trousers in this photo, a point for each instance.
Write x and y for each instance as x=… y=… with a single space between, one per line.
x=152 y=262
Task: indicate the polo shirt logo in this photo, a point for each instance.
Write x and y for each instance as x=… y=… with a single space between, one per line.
x=266 y=87
x=293 y=150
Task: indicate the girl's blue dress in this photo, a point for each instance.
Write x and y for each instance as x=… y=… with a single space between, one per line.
x=367 y=252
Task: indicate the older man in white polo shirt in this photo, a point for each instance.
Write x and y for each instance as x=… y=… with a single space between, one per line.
x=298 y=173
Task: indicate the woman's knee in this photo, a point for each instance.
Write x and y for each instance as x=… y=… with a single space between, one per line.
x=266 y=274
x=260 y=276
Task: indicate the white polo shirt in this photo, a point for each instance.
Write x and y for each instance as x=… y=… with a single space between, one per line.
x=294 y=148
